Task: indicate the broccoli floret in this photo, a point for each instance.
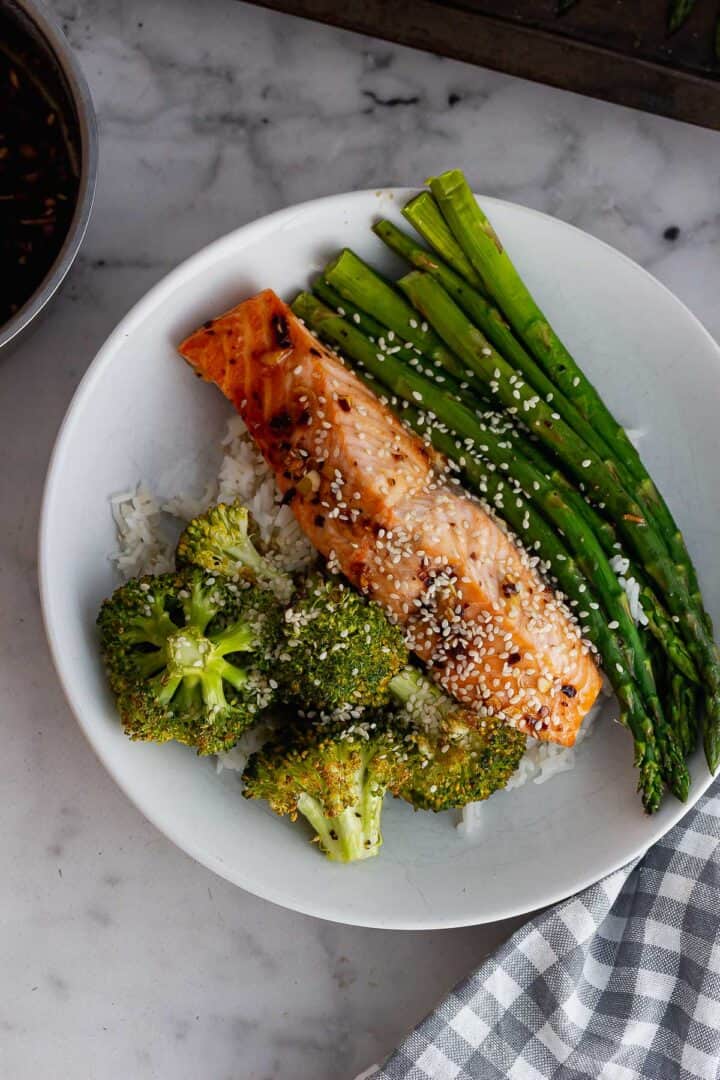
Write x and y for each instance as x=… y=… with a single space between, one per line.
x=456 y=756
x=189 y=657
x=340 y=650
x=336 y=778
x=223 y=541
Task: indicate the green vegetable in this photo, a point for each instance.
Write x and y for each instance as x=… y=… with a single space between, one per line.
x=480 y=242
x=660 y=624
x=491 y=322
x=454 y=756
x=358 y=283
x=339 y=649
x=678 y=12
x=424 y=215
x=684 y=709
x=483 y=248
x=336 y=779
x=189 y=657
x=222 y=541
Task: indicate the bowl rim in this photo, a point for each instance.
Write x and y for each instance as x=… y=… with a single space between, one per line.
x=135 y=315
x=50 y=31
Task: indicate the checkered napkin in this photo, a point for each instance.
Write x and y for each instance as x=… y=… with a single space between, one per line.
x=621 y=981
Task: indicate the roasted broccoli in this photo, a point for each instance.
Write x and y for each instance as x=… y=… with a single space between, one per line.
x=189 y=657
x=456 y=756
x=223 y=541
x=336 y=778
x=340 y=650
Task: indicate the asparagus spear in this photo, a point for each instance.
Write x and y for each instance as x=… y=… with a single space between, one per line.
x=359 y=285
x=501 y=280
x=377 y=334
x=409 y=384
x=358 y=282
x=659 y=621
x=689 y=702
x=424 y=215
x=492 y=323
x=678 y=12
x=680 y=710
x=640 y=533
x=475 y=234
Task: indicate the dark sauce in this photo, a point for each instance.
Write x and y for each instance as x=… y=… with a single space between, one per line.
x=39 y=171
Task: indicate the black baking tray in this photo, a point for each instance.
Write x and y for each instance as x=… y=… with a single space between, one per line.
x=617 y=50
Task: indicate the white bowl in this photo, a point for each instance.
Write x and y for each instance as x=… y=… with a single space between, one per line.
x=140 y=414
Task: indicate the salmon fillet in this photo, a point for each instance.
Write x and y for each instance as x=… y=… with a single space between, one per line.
x=377 y=504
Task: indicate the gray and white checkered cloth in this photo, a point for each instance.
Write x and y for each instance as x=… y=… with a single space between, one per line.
x=619 y=982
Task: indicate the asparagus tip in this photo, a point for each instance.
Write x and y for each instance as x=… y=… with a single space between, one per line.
x=712 y=751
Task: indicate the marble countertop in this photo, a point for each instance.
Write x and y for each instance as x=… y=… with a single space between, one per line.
x=120 y=956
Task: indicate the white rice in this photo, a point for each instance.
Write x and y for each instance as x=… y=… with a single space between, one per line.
x=236 y=759
x=147 y=525
x=143 y=547
x=147 y=529
x=620 y=564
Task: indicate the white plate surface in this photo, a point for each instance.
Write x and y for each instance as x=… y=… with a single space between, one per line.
x=140 y=414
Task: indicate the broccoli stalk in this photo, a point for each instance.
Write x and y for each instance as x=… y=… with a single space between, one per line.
x=221 y=541
x=336 y=778
x=354 y=833
x=188 y=657
x=422 y=697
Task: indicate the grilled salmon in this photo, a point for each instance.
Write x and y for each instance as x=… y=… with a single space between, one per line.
x=378 y=505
